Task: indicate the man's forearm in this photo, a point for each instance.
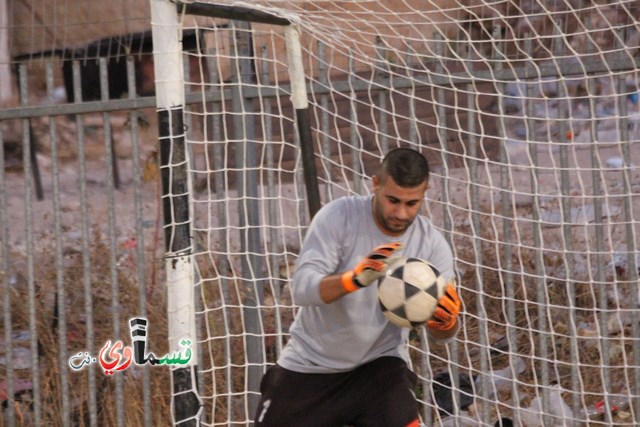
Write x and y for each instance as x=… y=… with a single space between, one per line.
x=331 y=288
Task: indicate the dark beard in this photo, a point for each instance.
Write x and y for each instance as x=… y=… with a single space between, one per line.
x=386 y=225
x=383 y=222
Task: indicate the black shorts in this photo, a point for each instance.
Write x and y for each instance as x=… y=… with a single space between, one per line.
x=379 y=393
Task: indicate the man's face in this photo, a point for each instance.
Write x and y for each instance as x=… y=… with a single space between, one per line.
x=395 y=207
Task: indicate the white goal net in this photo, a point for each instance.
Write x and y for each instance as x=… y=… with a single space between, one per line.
x=529 y=114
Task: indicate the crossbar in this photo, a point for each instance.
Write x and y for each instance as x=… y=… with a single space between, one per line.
x=238 y=13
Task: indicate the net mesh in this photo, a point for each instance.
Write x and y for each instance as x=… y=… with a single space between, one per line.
x=528 y=114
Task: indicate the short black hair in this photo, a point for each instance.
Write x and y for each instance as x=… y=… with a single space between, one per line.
x=407 y=167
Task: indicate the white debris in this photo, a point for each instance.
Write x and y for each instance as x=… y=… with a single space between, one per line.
x=579 y=215
x=560 y=412
x=501 y=380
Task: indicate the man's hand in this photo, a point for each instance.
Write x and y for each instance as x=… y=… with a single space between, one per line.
x=446 y=314
x=370 y=268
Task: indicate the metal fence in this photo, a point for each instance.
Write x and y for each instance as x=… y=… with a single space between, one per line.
x=74 y=264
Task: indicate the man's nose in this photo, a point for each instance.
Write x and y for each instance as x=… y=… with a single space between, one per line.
x=402 y=212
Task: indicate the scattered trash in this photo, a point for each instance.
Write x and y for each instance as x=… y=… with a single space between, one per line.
x=58 y=95
x=20 y=359
x=462 y=420
x=22 y=401
x=23 y=336
x=597 y=410
x=615 y=162
x=18 y=282
x=128 y=256
x=19 y=386
x=587 y=330
x=579 y=215
x=618 y=163
x=620 y=262
x=562 y=413
x=442 y=391
x=558 y=409
x=500 y=380
x=500 y=346
x=520 y=132
x=605 y=111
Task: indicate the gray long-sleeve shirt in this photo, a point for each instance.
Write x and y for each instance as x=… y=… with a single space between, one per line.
x=351 y=331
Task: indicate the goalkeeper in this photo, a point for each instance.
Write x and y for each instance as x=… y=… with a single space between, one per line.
x=345 y=363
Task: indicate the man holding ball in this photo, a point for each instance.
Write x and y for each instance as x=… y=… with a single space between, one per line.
x=345 y=363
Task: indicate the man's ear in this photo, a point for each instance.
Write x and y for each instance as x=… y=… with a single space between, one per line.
x=374 y=182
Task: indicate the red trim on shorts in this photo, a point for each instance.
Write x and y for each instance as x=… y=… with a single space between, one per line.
x=414 y=423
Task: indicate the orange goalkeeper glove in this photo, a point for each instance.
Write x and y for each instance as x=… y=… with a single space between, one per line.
x=370 y=268
x=444 y=318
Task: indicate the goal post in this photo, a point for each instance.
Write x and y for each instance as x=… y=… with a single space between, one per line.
x=176 y=185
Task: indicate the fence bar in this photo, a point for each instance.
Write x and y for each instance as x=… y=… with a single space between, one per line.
x=323 y=76
x=567 y=233
x=215 y=136
x=381 y=73
x=28 y=189
x=33 y=158
x=111 y=177
x=508 y=223
x=325 y=148
x=633 y=269
x=6 y=295
x=354 y=139
x=447 y=225
x=276 y=287
x=140 y=243
x=414 y=136
x=474 y=203
x=86 y=258
x=596 y=257
x=542 y=300
x=483 y=341
x=248 y=218
x=60 y=313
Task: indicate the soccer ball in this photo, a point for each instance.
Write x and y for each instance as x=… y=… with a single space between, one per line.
x=409 y=293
